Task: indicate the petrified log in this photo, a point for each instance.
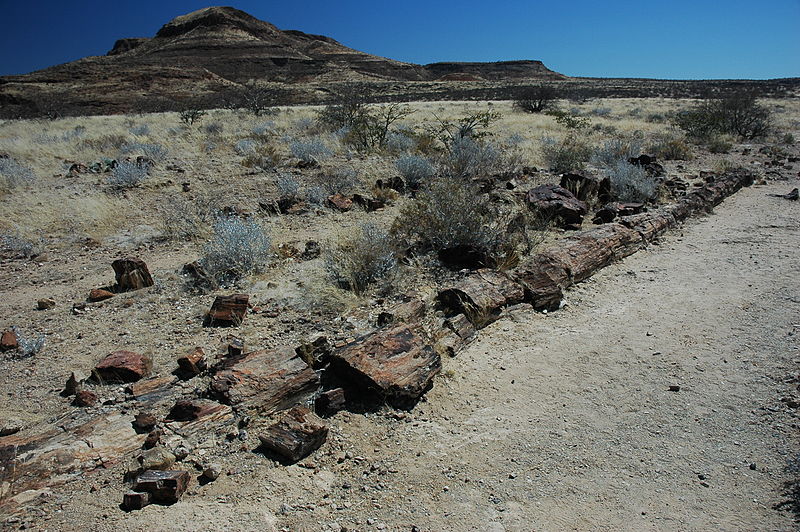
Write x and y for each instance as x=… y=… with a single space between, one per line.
x=164 y=487
x=397 y=363
x=408 y=312
x=227 y=311
x=191 y=410
x=587 y=188
x=481 y=296
x=85 y=398
x=200 y=279
x=266 y=380
x=544 y=277
x=134 y=500
x=122 y=366
x=453 y=335
x=340 y=202
x=587 y=252
x=98 y=294
x=793 y=195
x=558 y=204
x=649 y=225
x=298 y=433
x=330 y=401
x=614 y=209
x=131 y=274
x=316 y=352
x=193 y=363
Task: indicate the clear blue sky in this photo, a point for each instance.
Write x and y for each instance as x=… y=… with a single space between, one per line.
x=663 y=39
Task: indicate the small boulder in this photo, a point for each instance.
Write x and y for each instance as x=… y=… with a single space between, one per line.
x=45 y=304
x=134 y=500
x=199 y=278
x=193 y=363
x=298 y=433
x=330 y=401
x=211 y=473
x=98 y=294
x=158 y=458
x=559 y=204
x=73 y=384
x=85 y=398
x=143 y=423
x=122 y=366
x=8 y=341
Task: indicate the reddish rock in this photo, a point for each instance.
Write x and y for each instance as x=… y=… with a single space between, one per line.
x=72 y=385
x=133 y=500
x=85 y=398
x=227 y=311
x=8 y=341
x=131 y=274
x=266 y=380
x=544 y=278
x=298 y=433
x=556 y=203
x=192 y=410
x=193 y=363
x=122 y=366
x=143 y=423
x=234 y=346
x=98 y=294
x=396 y=363
x=165 y=487
x=340 y=202
x=481 y=296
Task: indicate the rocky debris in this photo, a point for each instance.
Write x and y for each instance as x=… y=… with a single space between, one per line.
x=131 y=274
x=192 y=409
x=9 y=427
x=407 y=312
x=192 y=364
x=396 y=363
x=227 y=311
x=587 y=188
x=45 y=304
x=122 y=366
x=265 y=380
x=164 y=487
x=8 y=341
x=340 y=202
x=794 y=195
x=133 y=500
x=648 y=162
x=211 y=473
x=153 y=438
x=99 y=294
x=298 y=433
x=611 y=210
x=73 y=384
x=453 y=335
x=330 y=401
x=78 y=308
x=156 y=458
x=85 y=398
x=481 y=296
x=234 y=346
x=315 y=353
x=368 y=203
x=199 y=278
x=312 y=250
x=556 y=203
x=144 y=423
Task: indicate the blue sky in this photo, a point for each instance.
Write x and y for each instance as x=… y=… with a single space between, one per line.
x=659 y=39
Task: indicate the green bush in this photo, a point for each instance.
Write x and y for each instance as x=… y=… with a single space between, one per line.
x=737 y=114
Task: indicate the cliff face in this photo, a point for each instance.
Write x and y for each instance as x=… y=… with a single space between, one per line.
x=219 y=47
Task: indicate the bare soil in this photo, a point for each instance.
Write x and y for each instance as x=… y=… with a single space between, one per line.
x=561 y=421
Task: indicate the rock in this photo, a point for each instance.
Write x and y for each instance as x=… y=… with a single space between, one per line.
x=211 y=473
x=651 y=224
x=192 y=364
x=199 y=278
x=481 y=296
x=227 y=311
x=144 y=423
x=45 y=304
x=455 y=333
x=312 y=250
x=556 y=203
x=396 y=363
x=368 y=203
x=9 y=427
x=122 y=366
x=464 y=257
x=340 y=202
x=157 y=458
x=98 y=294
x=651 y=167
x=85 y=398
x=674 y=388
x=298 y=433
x=544 y=277
x=8 y=341
x=78 y=308
x=266 y=380
x=614 y=209
x=153 y=438
x=134 y=500
x=316 y=352
x=408 y=312
x=330 y=401
x=234 y=346
x=587 y=188
x=191 y=409
x=395 y=183
x=181 y=453
x=165 y=487
x=131 y=274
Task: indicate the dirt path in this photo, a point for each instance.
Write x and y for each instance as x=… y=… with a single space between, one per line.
x=562 y=421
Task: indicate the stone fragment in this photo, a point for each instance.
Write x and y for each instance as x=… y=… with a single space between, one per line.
x=98 y=294
x=191 y=409
x=298 y=433
x=330 y=401
x=199 y=278
x=234 y=346
x=544 y=277
x=340 y=202
x=157 y=458
x=227 y=311
x=45 y=304
x=311 y=251
x=165 y=487
x=556 y=203
x=153 y=438
x=8 y=341
x=316 y=352
x=85 y=398
x=211 y=473
x=131 y=274
x=145 y=422
x=192 y=364
x=396 y=363
x=407 y=312
x=9 y=427
x=122 y=366
x=134 y=500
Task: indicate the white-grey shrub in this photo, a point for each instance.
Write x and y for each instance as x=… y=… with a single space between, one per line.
x=469 y=157
x=362 y=258
x=155 y=152
x=288 y=187
x=398 y=142
x=312 y=150
x=28 y=345
x=631 y=183
x=245 y=146
x=613 y=150
x=341 y=180
x=14 y=174
x=140 y=130
x=237 y=249
x=415 y=170
x=127 y=175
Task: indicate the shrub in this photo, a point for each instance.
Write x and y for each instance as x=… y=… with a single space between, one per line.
x=310 y=151
x=288 y=187
x=127 y=175
x=399 y=142
x=536 y=99
x=14 y=174
x=154 y=152
x=415 y=170
x=265 y=129
x=347 y=108
x=340 y=180
x=362 y=259
x=140 y=131
x=631 y=183
x=719 y=144
x=474 y=125
x=185 y=220
x=670 y=148
x=264 y=157
x=17 y=246
x=214 y=128
x=252 y=96
x=370 y=129
x=469 y=157
x=316 y=195
x=190 y=116
x=570 y=119
x=567 y=155
x=787 y=138
x=245 y=146
x=601 y=111
x=737 y=114
x=237 y=249
x=615 y=149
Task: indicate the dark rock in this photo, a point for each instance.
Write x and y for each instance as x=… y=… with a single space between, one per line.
x=45 y=304
x=131 y=274
x=85 y=398
x=651 y=167
x=298 y=433
x=191 y=410
x=98 y=294
x=72 y=385
x=234 y=346
x=611 y=210
x=396 y=363
x=395 y=183
x=134 y=500
x=316 y=352
x=122 y=366
x=227 y=311
x=465 y=257
x=165 y=487
x=312 y=250
x=199 y=278
x=674 y=388
x=211 y=473
x=192 y=364
x=153 y=438
x=340 y=202
x=144 y=423
x=543 y=276
x=367 y=203
x=587 y=188
x=330 y=401
x=556 y=203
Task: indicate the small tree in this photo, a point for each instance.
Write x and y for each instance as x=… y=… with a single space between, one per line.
x=736 y=114
x=536 y=99
x=190 y=116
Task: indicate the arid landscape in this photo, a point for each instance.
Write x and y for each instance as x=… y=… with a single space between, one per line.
x=253 y=279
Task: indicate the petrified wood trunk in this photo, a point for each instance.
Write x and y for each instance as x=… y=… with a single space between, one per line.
x=227 y=311
x=266 y=380
x=588 y=188
x=544 y=277
x=122 y=366
x=397 y=363
x=481 y=296
x=298 y=433
x=164 y=487
x=131 y=274
x=558 y=204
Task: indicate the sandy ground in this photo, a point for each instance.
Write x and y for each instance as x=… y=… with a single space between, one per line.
x=558 y=422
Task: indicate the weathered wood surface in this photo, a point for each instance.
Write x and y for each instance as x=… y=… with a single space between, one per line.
x=227 y=311
x=481 y=296
x=298 y=433
x=164 y=487
x=265 y=380
x=397 y=363
x=131 y=274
